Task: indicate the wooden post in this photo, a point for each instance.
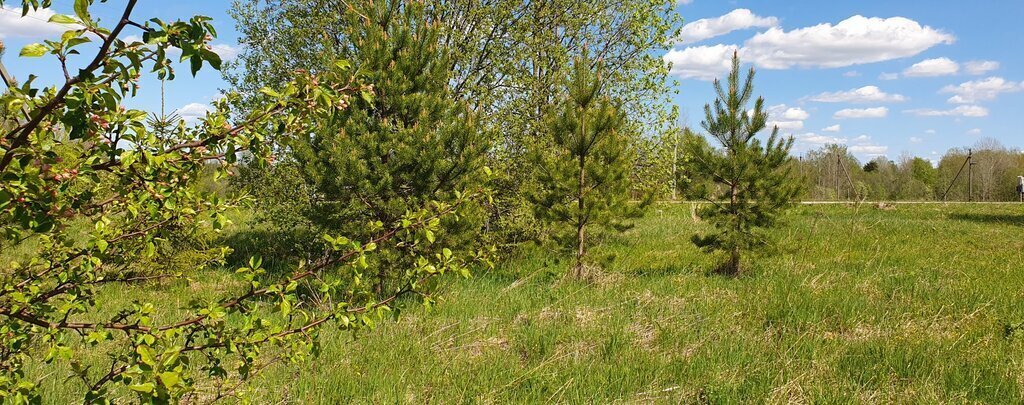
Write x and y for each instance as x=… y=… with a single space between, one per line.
x=839 y=164
x=970 y=175
x=958 y=172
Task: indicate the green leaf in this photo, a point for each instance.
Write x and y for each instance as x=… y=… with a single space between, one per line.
x=101 y=245
x=169 y=379
x=146 y=355
x=270 y=92
x=33 y=50
x=62 y=19
x=286 y=307
x=367 y=96
x=430 y=235
x=196 y=63
x=78 y=41
x=147 y=387
x=82 y=9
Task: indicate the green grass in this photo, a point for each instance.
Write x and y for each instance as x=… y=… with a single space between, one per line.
x=852 y=305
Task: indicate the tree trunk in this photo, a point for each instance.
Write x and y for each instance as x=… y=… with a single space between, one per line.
x=734 y=259
x=580 y=221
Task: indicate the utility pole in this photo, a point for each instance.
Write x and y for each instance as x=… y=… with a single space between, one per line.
x=970 y=175
x=969 y=165
x=839 y=165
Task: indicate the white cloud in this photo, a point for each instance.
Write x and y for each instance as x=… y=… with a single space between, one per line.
x=974 y=132
x=930 y=132
x=856 y=40
x=877 y=112
x=981 y=90
x=192 y=112
x=33 y=25
x=786 y=126
x=961 y=111
x=225 y=51
x=738 y=19
x=701 y=62
x=870 y=150
x=980 y=67
x=862 y=139
x=852 y=73
x=889 y=76
x=782 y=111
x=915 y=139
x=833 y=128
x=815 y=139
x=683 y=2
x=787 y=118
x=866 y=94
x=932 y=68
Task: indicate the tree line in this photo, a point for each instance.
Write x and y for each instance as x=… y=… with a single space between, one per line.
x=991 y=174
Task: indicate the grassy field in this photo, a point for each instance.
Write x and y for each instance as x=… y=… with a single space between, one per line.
x=914 y=304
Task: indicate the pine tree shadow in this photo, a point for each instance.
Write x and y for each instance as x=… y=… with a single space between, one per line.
x=999 y=219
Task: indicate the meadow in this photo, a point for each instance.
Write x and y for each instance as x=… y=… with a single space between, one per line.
x=917 y=303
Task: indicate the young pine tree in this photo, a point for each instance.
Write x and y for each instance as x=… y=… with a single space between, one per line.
x=583 y=170
x=748 y=184
x=400 y=149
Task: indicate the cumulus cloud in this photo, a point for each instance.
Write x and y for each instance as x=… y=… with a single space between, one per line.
x=735 y=20
x=782 y=111
x=852 y=73
x=932 y=68
x=972 y=111
x=915 y=139
x=870 y=150
x=974 y=132
x=701 y=62
x=847 y=113
x=980 y=67
x=225 y=51
x=981 y=90
x=192 y=112
x=786 y=126
x=889 y=76
x=815 y=139
x=866 y=94
x=33 y=26
x=833 y=128
x=930 y=131
x=787 y=118
x=856 y=40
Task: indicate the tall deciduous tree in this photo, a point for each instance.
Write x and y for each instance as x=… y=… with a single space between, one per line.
x=747 y=184
x=583 y=170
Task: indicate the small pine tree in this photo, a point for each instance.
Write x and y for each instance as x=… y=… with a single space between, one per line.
x=748 y=184
x=583 y=170
x=397 y=150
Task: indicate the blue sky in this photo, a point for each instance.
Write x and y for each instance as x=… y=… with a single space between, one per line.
x=883 y=77
x=924 y=110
